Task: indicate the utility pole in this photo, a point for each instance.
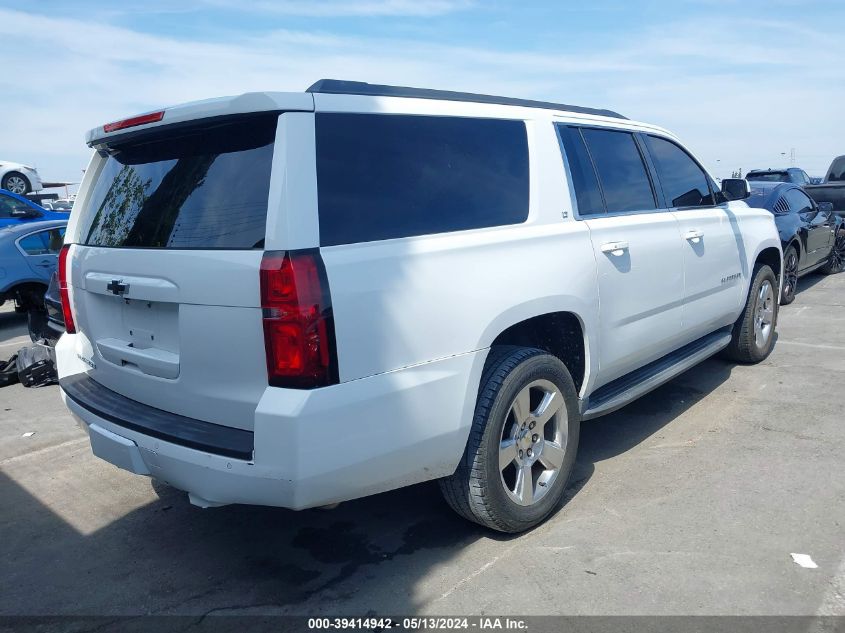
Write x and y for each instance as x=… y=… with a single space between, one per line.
x=792 y=157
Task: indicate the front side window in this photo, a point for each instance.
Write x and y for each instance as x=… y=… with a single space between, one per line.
x=684 y=183
x=385 y=176
x=584 y=181
x=621 y=170
x=7 y=205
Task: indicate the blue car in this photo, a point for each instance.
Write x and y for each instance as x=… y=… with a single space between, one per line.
x=28 y=257
x=15 y=209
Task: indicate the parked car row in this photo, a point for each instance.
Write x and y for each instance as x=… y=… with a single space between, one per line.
x=30 y=239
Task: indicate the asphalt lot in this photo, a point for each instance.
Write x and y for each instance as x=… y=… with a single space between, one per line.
x=689 y=501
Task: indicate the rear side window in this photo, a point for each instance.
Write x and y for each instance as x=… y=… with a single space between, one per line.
x=622 y=172
x=201 y=187
x=587 y=192
x=47 y=242
x=684 y=183
x=389 y=176
x=798 y=201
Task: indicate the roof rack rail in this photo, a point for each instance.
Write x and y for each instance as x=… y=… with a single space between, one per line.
x=340 y=86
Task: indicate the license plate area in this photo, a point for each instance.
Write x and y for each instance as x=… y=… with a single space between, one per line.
x=116 y=450
x=149 y=324
x=137 y=335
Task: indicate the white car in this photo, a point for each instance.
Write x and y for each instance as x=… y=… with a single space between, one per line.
x=296 y=299
x=19 y=179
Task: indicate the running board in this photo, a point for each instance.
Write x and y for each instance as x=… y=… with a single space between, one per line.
x=617 y=393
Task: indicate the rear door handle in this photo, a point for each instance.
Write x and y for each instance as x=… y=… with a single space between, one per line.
x=614 y=248
x=693 y=236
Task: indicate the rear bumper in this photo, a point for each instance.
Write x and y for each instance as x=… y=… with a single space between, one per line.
x=311 y=448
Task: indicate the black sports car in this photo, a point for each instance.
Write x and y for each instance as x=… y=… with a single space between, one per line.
x=812 y=235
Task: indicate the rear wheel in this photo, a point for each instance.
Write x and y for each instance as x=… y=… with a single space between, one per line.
x=522 y=445
x=16 y=183
x=836 y=259
x=753 y=336
x=790 y=275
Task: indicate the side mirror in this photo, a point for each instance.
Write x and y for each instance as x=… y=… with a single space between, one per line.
x=735 y=188
x=825 y=207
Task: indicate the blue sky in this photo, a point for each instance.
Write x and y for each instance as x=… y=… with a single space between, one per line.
x=741 y=82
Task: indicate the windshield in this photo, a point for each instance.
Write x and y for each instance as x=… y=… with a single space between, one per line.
x=200 y=187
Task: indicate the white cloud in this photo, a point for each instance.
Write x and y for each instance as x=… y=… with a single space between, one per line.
x=741 y=93
x=341 y=8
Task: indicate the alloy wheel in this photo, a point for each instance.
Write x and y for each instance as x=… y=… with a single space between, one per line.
x=764 y=314
x=16 y=184
x=533 y=442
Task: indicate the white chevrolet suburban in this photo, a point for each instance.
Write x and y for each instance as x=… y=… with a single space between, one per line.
x=296 y=299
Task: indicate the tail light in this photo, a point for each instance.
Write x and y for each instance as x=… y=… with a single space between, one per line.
x=64 y=290
x=298 y=325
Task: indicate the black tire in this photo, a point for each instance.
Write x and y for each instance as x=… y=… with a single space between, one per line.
x=836 y=260
x=744 y=346
x=790 y=275
x=477 y=490
x=11 y=180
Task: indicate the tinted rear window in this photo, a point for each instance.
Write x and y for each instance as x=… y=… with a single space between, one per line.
x=622 y=173
x=390 y=176
x=768 y=176
x=587 y=191
x=200 y=187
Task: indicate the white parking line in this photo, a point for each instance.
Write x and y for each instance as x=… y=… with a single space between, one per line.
x=20 y=343
x=813 y=345
x=41 y=451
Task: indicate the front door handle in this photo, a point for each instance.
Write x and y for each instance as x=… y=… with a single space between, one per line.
x=614 y=248
x=693 y=236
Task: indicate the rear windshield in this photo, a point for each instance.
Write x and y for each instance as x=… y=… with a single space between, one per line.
x=768 y=176
x=200 y=187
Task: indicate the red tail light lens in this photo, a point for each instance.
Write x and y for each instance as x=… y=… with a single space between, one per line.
x=64 y=292
x=298 y=326
x=152 y=117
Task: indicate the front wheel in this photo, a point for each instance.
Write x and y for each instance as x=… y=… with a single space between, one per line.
x=522 y=444
x=16 y=183
x=753 y=335
x=836 y=260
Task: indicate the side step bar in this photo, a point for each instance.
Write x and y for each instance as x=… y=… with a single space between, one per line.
x=617 y=393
